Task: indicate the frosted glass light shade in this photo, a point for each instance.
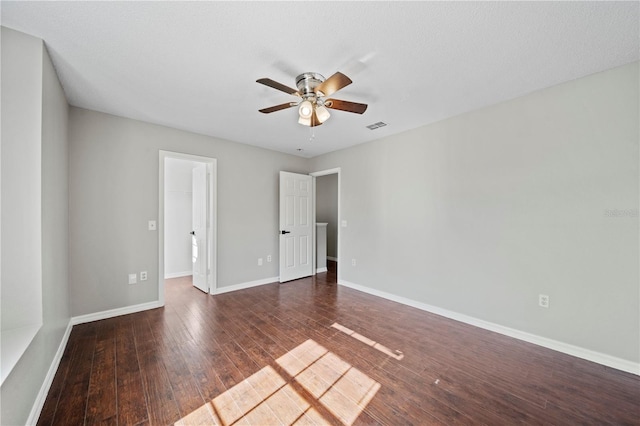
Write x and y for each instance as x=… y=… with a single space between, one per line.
x=304 y=121
x=322 y=113
x=305 y=109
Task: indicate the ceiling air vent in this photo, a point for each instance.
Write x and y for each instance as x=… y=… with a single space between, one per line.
x=376 y=125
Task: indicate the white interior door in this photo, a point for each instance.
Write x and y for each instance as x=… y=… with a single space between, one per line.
x=296 y=229
x=199 y=224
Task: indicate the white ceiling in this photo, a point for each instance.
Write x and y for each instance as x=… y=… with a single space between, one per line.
x=193 y=65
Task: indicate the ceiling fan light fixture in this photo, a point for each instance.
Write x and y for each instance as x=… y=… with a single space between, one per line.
x=305 y=109
x=322 y=113
x=304 y=121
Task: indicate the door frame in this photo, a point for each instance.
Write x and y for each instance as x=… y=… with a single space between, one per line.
x=212 y=216
x=314 y=175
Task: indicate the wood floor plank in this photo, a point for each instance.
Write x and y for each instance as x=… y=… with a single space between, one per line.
x=57 y=386
x=72 y=404
x=185 y=388
x=161 y=402
x=203 y=369
x=102 y=400
x=132 y=404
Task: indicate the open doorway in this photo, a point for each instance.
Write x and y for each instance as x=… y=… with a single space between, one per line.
x=187 y=245
x=327 y=217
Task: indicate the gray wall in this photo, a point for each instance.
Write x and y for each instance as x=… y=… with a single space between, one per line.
x=480 y=213
x=327 y=209
x=21 y=179
x=113 y=172
x=21 y=387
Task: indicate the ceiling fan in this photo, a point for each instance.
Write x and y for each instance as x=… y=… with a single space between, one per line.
x=314 y=89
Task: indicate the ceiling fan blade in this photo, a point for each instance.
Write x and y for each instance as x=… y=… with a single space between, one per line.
x=278 y=86
x=333 y=84
x=277 y=107
x=345 y=106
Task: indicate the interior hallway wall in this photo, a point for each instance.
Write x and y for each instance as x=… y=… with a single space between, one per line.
x=327 y=209
x=178 y=200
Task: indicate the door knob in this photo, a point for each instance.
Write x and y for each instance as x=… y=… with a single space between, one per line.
x=193 y=233
x=285 y=232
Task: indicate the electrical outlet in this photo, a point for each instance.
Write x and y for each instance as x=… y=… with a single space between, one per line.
x=268 y=258
x=259 y=261
x=543 y=300
x=353 y=262
x=143 y=276
x=133 y=278
x=152 y=225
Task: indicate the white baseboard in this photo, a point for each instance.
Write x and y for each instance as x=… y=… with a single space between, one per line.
x=242 y=286
x=597 y=357
x=335 y=259
x=177 y=274
x=115 y=312
x=320 y=270
x=48 y=380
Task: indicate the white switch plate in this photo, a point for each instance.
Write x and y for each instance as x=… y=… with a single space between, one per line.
x=344 y=223
x=152 y=225
x=259 y=261
x=133 y=278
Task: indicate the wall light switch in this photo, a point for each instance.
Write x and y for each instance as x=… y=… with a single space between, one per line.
x=152 y=225
x=133 y=278
x=344 y=223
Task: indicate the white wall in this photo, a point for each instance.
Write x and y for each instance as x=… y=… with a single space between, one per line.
x=327 y=209
x=113 y=166
x=480 y=213
x=21 y=180
x=38 y=135
x=178 y=199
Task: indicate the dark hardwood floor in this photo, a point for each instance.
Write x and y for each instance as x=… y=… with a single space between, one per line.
x=312 y=352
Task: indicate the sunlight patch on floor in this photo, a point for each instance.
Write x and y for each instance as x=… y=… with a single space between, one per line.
x=344 y=390
x=269 y=398
x=395 y=354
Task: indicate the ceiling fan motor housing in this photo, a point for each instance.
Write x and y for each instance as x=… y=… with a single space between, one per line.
x=307 y=83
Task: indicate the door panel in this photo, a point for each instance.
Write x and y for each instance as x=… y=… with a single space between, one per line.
x=295 y=221
x=199 y=223
x=304 y=250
